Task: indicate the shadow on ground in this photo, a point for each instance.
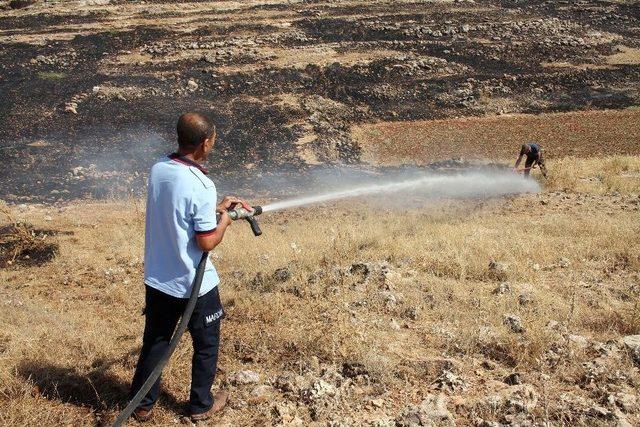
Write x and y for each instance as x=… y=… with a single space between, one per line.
x=99 y=390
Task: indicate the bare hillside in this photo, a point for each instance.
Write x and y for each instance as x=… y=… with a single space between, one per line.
x=101 y=82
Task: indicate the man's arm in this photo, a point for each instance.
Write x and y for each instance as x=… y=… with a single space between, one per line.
x=523 y=151
x=208 y=241
x=518 y=161
x=210 y=221
x=543 y=169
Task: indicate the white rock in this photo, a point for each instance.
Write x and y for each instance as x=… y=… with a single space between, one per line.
x=261 y=393
x=261 y=390
x=498 y=266
x=525 y=299
x=578 y=341
x=621 y=420
x=513 y=322
x=517 y=398
x=389 y=299
x=432 y=411
x=626 y=401
x=502 y=288
x=377 y=403
x=192 y=85
x=449 y=381
x=244 y=377
x=320 y=390
x=71 y=107
x=632 y=343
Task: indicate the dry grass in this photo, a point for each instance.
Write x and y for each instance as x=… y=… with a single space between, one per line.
x=596 y=175
x=71 y=328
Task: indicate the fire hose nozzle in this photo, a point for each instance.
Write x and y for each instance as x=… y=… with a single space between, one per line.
x=245 y=212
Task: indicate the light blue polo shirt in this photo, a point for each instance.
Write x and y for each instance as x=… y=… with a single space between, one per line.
x=181 y=202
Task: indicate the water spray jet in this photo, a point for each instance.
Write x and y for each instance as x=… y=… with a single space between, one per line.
x=461 y=185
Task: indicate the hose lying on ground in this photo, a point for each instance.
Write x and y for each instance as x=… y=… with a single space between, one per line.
x=182 y=326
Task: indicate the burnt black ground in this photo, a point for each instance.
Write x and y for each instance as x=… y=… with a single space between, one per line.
x=476 y=58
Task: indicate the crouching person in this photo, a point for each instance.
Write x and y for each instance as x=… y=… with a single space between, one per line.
x=533 y=152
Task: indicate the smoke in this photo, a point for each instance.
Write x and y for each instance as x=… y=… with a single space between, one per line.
x=117 y=162
x=104 y=162
x=474 y=184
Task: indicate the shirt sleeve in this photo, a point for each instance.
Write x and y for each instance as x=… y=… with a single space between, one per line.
x=204 y=211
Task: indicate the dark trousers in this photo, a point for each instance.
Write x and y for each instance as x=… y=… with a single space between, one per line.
x=162 y=313
x=528 y=164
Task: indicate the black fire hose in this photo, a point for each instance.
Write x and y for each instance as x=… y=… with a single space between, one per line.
x=182 y=326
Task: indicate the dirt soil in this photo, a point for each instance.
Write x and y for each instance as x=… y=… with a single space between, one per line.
x=91 y=89
x=580 y=134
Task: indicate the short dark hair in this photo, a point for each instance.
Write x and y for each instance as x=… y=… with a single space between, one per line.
x=193 y=129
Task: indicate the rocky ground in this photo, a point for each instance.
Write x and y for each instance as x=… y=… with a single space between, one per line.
x=92 y=89
x=509 y=312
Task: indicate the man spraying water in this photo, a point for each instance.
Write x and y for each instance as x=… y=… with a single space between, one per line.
x=181 y=224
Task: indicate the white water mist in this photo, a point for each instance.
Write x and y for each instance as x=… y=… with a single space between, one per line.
x=462 y=185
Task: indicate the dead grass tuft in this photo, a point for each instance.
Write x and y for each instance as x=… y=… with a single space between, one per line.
x=22 y=244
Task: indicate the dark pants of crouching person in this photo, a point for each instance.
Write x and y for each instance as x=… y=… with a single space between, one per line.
x=162 y=314
x=528 y=164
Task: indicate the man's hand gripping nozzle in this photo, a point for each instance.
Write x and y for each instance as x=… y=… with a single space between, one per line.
x=244 y=211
